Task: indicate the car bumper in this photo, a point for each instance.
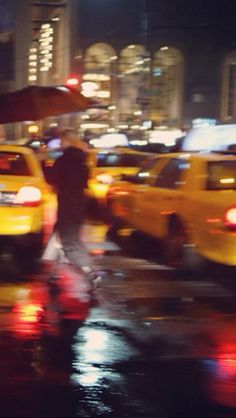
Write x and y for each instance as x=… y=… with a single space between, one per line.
x=220 y=248
x=20 y=221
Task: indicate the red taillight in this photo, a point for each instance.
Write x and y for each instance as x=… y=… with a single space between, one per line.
x=230 y=217
x=28 y=196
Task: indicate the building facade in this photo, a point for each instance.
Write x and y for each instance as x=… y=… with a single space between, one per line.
x=167 y=62
x=144 y=60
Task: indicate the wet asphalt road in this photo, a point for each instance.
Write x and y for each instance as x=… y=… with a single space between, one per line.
x=146 y=344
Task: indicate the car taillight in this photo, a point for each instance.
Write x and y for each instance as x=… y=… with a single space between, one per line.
x=230 y=217
x=28 y=196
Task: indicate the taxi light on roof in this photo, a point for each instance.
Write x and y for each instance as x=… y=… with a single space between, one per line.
x=230 y=217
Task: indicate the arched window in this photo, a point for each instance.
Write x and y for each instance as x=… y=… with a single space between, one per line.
x=167 y=86
x=134 y=88
x=99 y=62
x=228 y=92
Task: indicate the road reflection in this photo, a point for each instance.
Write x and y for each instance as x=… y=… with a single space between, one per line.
x=65 y=353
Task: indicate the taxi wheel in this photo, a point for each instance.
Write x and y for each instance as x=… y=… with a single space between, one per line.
x=178 y=252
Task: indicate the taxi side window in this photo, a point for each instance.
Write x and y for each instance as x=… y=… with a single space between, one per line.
x=145 y=174
x=170 y=176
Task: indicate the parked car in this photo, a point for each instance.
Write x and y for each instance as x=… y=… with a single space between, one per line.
x=27 y=203
x=185 y=200
x=108 y=165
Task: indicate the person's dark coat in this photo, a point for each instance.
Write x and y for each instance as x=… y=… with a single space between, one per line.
x=69 y=177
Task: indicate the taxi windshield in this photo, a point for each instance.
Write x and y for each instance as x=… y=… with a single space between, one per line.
x=119 y=160
x=221 y=175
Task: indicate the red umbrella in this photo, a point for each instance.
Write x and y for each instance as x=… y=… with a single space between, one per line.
x=37 y=102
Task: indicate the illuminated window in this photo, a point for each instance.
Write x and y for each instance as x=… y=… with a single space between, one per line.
x=167 y=85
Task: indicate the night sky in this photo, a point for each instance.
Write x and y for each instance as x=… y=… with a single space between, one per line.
x=122 y=19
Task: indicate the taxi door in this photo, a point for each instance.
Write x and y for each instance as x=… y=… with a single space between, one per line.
x=165 y=196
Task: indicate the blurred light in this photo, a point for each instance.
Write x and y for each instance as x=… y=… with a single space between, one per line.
x=46 y=44
x=93 y=125
x=110 y=140
x=28 y=312
x=72 y=81
x=138 y=142
x=28 y=196
x=33 y=129
x=105 y=178
x=123 y=126
x=164 y=48
x=134 y=127
x=196 y=123
x=210 y=138
x=96 y=77
x=144 y=174
x=45 y=26
x=89 y=88
x=164 y=136
x=227 y=181
x=103 y=94
x=230 y=217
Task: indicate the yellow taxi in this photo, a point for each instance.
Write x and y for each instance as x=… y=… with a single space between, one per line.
x=107 y=166
x=27 y=202
x=188 y=201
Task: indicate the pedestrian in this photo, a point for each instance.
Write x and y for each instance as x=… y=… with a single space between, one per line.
x=69 y=176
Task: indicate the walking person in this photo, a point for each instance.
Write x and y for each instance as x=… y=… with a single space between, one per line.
x=69 y=176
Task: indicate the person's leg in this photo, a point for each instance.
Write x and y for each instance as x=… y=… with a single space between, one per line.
x=74 y=249
x=76 y=252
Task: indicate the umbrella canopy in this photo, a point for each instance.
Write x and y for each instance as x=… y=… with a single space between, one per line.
x=37 y=102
